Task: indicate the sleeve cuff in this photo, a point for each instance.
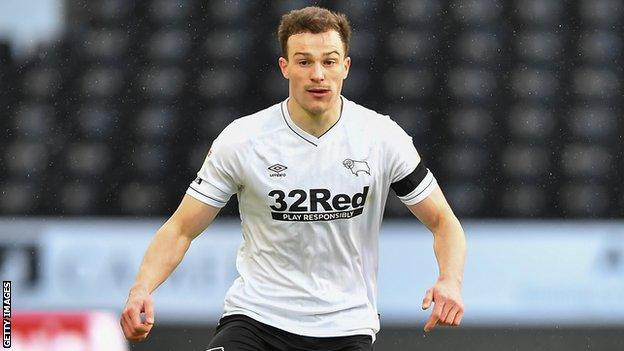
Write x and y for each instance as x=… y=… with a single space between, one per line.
x=201 y=194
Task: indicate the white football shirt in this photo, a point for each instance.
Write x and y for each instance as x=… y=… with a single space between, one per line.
x=310 y=212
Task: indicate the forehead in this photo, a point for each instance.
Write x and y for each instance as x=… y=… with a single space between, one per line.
x=315 y=43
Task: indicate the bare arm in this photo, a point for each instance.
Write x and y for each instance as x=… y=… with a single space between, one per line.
x=171 y=242
x=450 y=251
x=163 y=255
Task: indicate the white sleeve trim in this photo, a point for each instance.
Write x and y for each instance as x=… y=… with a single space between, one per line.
x=203 y=194
x=424 y=189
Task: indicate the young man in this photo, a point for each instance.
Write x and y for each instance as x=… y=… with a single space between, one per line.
x=312 y=174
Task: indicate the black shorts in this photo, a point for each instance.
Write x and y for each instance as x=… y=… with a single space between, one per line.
x=242 y=333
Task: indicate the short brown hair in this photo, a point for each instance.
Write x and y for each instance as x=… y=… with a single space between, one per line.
x=314 y=20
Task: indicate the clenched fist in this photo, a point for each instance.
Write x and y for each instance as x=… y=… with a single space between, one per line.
x=135 y=327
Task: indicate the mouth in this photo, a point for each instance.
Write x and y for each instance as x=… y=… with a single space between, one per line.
x=319 y=92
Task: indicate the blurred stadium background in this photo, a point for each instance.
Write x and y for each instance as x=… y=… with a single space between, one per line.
x=108 y=107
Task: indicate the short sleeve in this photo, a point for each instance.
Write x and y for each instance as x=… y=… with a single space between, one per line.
x=409 y=178
x=219 y=177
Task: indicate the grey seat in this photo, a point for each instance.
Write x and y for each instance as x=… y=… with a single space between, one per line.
x=19 y=197
x=26 y=158
x=524 y=200
x=78 y=198
x=141 y=198
x=162 y=83
x=168 y=46
x=88 y=159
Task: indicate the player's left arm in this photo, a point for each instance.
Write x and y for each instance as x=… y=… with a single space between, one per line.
x=450 y=250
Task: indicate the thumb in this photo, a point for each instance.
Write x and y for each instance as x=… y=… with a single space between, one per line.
x=428 y=299
x=149 y=311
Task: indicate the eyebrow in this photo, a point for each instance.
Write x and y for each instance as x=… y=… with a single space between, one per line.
x=309 y=54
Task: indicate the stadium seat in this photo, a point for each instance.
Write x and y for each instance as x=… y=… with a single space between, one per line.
x=531 y=122
x=156 y=121
x=150 y=160
x=539 y=47
x=596 y=83
x=410 y=45
x=6 y=59
x=408 y=83
x=538 y=12
x=42 y=82
x=415 y=120
x=466 y=198
x=577 y=199
x=222 y=83
x=196 y=155
x=600 y=47
x=33 y=120
x=582 y=160
x=470 y=84
x=101 y=82
x=274 y=86
x=601 y=12
x=213 y=120
x=280 y=7
x=110 y=11
x=230 y=11
x=19 y=197
x=358 y=12
x=594 y=124
x=87 y=159
x=166 y=12
x=138 y=198
x=362 y=46
x=168 y=46
x=524 y=200
x=356 y=85
x=105 y=45
x=524 y=162
x=96 y=120
x=26 y=158
x=161 y=83
x=417 y=12
x=227 y=44
x=78 y=198
x=478 y=46
x=475 y=12
x=462 y=161
x=533 y=84
x=472 y=124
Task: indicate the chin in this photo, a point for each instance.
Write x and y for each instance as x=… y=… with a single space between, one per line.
x=316 y=110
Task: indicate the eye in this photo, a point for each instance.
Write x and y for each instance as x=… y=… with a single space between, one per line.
x=303 y=63
x=330 y=62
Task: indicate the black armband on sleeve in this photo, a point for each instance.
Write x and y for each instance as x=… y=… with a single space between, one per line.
x=411 y=181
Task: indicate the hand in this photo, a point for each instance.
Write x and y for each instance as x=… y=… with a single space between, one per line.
x=448 y=305
x=134 y=329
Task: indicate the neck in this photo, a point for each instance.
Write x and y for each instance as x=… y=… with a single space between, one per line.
x=314 y=124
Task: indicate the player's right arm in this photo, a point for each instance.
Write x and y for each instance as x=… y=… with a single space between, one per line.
x=163 y=255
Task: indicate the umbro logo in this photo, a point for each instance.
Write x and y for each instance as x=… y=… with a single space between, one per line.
x=277 y=170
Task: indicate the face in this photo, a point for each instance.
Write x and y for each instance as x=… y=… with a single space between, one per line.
x=315 y=68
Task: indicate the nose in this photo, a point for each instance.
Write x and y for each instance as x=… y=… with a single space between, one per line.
x=317 y=72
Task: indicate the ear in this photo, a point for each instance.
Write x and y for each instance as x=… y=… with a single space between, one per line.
x=347 y=63
x=283 y=65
